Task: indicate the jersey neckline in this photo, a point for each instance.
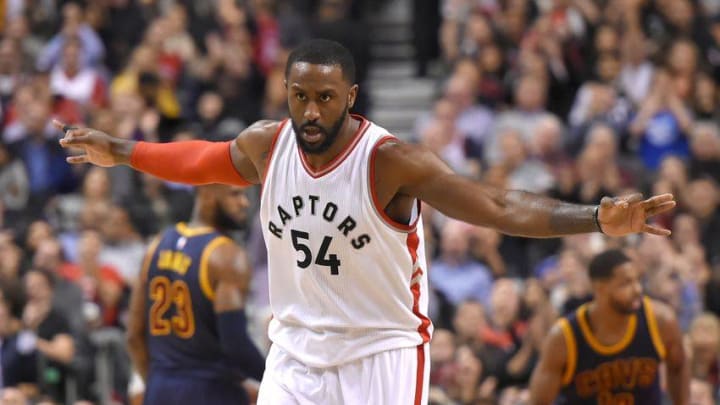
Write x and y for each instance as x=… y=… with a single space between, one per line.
x=595 y=344
x=337 y=160
x=183 y=229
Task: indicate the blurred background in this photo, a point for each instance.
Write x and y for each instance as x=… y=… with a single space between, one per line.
x=575 y=99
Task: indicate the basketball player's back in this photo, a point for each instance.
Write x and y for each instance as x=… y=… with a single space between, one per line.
x=187 y=364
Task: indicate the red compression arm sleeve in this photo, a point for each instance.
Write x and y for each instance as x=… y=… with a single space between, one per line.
x=188 y=162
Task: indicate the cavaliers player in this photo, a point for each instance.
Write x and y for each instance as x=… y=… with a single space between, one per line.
x=186 y=333
x=610 y=350
x=340 y=215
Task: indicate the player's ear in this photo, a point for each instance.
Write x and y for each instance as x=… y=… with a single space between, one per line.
x=352 y=95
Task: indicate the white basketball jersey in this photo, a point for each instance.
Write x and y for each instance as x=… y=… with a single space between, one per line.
x=345 y=280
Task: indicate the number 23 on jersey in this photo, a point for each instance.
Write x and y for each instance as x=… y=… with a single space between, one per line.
x=166 y=294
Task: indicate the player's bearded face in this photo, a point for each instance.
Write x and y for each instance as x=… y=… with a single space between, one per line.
x=329 y=134
x=625 y=299
x=623 y=306
x=231 y=212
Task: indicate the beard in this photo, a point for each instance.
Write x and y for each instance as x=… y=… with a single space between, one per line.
x=622 y=307
x=329 y=134
x=226 y=222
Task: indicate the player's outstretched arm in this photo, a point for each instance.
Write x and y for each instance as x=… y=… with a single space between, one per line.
x=547 y=377
x=415 y=171
x=230 y=275
x=676 y=364
x=239 y=162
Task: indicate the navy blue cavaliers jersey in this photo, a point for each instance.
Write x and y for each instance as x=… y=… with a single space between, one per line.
x=182 y=331
x=626 y=373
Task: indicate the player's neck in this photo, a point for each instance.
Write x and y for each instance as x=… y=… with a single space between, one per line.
x=346 y=135
x=200 y=218
x=604 y=317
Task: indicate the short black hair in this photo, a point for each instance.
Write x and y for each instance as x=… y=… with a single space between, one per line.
x=602 y=266
x=323 y=52
x=46 y=274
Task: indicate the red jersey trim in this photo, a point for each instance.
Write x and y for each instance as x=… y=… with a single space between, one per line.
x=413 y=241
x=272 y=152
x=420 y=376
x=244 y=181
x=337 y=160
x=373 y=193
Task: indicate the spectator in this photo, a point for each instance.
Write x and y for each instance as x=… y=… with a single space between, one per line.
x=704 y=342
x=661 y=124
x=71 y=80
x=14 y=187
x=530 y=97
x=703 y=200
x=11 y=72
x=48 y=332
x=455 y=274
x=705 y=147
x=73 y=26
x=17 y=365
x=123 y=249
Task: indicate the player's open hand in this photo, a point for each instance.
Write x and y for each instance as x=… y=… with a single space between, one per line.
x=97 y=147
x=620 y=216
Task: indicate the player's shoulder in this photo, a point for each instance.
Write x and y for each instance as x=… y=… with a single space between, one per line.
x=407 y=164
x=561 y=336
x=397 y=151
x=662 y=312
x=256 y=140
x=259 y=130
x=559 y=346
x=228 y=260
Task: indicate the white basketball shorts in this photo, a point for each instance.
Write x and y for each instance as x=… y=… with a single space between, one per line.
x=393 y=377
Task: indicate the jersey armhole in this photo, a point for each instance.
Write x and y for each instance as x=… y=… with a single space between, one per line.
x=571 y=349
x=415 y=214
x=653 y=328
x=149 y=255
x=204 y=271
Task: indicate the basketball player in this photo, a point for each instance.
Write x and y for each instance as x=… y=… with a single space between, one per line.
x=186 y=333
x=340 y=214
x=610 y=350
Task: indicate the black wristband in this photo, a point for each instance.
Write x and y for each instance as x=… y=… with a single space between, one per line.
x=597 y=221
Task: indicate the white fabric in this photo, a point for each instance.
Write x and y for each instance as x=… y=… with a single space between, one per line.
x=378 y=300
x=78 y=88
x=386 y=378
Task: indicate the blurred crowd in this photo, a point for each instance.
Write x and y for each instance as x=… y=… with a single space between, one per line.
x=72 y=238
x=575 y=99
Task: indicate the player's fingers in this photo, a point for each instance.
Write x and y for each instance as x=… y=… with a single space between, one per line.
x=658 y=200
x=58 y=124
x=659 y=209
x=78 y=140
x=69 y=130
x=633 y=198
x=607 y=202
x=77 y=159
x=654 y=230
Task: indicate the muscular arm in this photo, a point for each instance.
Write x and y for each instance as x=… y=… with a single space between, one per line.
x=240 y=162
x=546 y=379
x=230 y=274
x=137 y=329
x=676 y=364
x=414 y=171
